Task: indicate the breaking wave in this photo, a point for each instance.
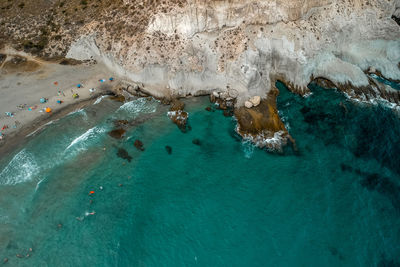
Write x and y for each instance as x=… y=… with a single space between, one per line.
x=89 y=134
x=141 y=105
x=99 y=99
x=21 y=168
x=78 y=111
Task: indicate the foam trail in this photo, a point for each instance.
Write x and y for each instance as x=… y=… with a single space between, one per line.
x=21 y=168
x=77 y=112
x=85 y=136
x=99 y=99
x=41 y=127
x=248 y=148
x=38 y=184
x=141 y=105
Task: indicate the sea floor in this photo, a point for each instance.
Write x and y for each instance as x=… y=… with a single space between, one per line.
x=216 y=202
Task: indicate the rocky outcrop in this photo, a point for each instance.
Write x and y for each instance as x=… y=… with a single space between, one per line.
x=262 y=124
x=178 y=115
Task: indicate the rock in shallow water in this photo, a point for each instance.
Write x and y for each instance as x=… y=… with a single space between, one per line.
x=169 y=150
x=262 y=124
x=117 y=133
x=120 y=123
x=139 y=145
x=178 y=115
x=122 y=153
x=196 y=142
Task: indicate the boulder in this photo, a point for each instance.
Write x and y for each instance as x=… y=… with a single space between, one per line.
x=248 y=104
x=255 y=100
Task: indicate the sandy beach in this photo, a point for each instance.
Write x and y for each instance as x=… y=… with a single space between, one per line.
x=23 y=84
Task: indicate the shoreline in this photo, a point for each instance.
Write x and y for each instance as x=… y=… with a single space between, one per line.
x=20 y=137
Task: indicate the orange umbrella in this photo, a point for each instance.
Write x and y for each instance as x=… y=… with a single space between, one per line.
x=48 y=110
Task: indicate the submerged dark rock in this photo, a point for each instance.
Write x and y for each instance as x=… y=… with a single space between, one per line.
x=139 y=145
x=117 y=133
x=169 y=150
x=120 y=123
x=346 y=167
x=228 y=113
x=196 y=142
x=122 y=153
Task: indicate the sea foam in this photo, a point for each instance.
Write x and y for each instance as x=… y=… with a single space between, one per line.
x=21 y=168
x=140 y=105
x=91 y=133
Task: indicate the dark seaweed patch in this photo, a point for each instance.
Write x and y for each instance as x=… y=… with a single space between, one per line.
x=122 y=153
x=368 y=131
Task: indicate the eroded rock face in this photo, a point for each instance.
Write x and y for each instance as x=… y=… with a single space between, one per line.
x=262 y=124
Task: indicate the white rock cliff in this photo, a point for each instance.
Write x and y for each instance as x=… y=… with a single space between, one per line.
x=248 y=45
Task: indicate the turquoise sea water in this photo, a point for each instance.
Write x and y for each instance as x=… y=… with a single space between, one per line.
x=334 y=202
